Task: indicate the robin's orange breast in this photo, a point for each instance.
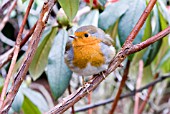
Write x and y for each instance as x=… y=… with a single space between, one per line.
x=87 y=50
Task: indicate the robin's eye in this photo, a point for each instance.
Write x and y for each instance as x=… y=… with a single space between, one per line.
x=86 y=35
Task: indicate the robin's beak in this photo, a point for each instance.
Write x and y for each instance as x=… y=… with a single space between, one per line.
x=72 y=36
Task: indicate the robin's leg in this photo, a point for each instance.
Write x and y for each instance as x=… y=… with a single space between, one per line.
x=83 y=81
x=84 y=84
x=104 y=76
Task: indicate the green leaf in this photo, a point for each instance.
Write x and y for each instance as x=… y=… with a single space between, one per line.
x=111 y=14
x=18 y=101
x=165 y=45
x=40 y=59
x=1 y=84
x=70 y=7
x=90 y=18
x=147 y=75
x=129 y=20
x=36 y=98
x=24 y=1
x=29 y=108
x=58 y=73
x=165 y=63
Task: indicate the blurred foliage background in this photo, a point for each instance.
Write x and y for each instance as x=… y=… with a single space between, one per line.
x=48 y=78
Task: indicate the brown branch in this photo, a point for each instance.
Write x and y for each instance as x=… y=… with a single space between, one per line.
x=47 y=7
x=122 y=84
x=92 y=84
x=142 y=106
x=7 y=56
x=6 y=18
x=15 y=55
x=139 y=24
x=110 y=100
x=138 y=83
x=146 y=43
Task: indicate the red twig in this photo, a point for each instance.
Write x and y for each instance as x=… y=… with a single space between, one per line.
x=15 y=55
x=69 y=91
x=138 y=83
x=6 y=18
x=142 y=106
x=122 y=84
x=139 y=24
x=20 y=76
x=144 y=44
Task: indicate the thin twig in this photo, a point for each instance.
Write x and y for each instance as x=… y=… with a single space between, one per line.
x=110 y=100
x=69 y=91
x=122 y=84
x=6 y=18
x=142 y=106
x=138 y=83
x=7 y=56
x=90 y=111
x=146 y=43
x=15 y=55
x=20 y=76
x=139 y=24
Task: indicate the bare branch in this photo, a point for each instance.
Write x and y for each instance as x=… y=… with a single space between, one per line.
x=139 y=24
x=142 y=106
x=122 y=84
x=47 y=7
x=138 y=83
x=15 y=55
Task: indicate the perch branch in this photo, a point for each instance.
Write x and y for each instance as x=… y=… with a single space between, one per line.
x=15 y=55
x=110 y=100
x=138 y=84
x=47 y=7
x=92 y=84
x=122 y=84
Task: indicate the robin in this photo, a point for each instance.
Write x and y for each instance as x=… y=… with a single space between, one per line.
x=89 y=52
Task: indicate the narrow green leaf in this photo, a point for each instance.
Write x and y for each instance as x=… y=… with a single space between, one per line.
x=129 y=20
x=1 y=83
x=58 y=73
x=111 y=14
x=165 y=63
x=90 y=18
x=165 y=45
x=40 y=59
x=29 y=108
x=147 y=75
x=70 y=7
x=36 y=98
